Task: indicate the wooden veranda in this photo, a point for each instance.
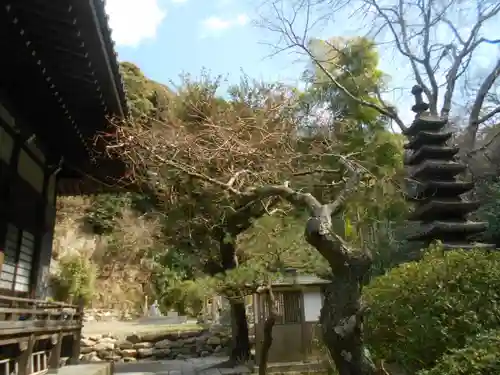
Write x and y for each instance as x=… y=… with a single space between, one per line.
x=36 y=335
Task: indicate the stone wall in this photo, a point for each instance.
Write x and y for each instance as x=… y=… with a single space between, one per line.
x=177 y=345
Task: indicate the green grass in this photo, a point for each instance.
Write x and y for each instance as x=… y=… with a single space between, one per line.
x=165 y=328
x=128 y=328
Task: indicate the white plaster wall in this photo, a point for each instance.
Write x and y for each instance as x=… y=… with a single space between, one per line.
x=312 y=305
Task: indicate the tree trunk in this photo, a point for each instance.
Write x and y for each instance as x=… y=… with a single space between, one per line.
x=342 y=327
x=342 y=313
x=267 y=342
x=240 y=351
x=249 y=209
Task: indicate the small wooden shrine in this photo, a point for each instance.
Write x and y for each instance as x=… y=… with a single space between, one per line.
x=298 y=302
x=433 y=186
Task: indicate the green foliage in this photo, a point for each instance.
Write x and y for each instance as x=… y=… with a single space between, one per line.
x=75 y=279
x=188 y=296
x=144 y=96
x=353 y=62
x=277 y=242
x=420 y=310
x=104 y=211
x=481 y=356
x=173 y=290
x=378 y=206
x=488 y=191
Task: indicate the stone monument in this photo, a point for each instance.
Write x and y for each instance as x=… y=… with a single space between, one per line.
x=154 y=310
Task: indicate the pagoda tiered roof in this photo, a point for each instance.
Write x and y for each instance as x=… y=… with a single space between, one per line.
x=432 y=184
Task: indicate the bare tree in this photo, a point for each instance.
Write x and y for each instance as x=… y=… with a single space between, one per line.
x=441 y=39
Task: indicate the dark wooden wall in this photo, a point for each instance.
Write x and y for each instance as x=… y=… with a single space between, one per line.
x=23 y=208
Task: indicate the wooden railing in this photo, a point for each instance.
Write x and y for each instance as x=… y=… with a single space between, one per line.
x=35 y=335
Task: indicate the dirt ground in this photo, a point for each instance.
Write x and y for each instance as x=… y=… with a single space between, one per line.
x=127 y=328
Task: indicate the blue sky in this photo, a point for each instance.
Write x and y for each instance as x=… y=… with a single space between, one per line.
x=168 y=37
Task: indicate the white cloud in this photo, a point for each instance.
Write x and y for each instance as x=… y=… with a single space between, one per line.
x=218 y=24
x=134 y=21
x=179 y=1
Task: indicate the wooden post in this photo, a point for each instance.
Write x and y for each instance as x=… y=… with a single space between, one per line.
x=77 y=336
x=55 y=352
x=25 y=362
x=303 y=326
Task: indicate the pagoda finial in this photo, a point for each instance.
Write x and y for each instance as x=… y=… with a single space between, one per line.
x=420 y=106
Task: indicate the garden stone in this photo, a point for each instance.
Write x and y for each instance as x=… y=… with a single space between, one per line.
x=125 y=345
x=104 y=346
x=87 y=342
x=128 y=353
x=86 y=350
x=134 y=339
x=143 y=345
x=214 y=340
x=163 y=344
x=161 y=353
x=145 y=352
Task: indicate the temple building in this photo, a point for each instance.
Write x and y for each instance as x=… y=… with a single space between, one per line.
x=59 y=84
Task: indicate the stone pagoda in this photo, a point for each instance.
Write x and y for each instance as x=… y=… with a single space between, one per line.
x=432 y=183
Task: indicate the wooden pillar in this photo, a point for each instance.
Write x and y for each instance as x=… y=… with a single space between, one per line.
x=77 y=336
x=1 y=259
x=25 y=361
x=303 y=327
x=55 y=352
x=43 y=226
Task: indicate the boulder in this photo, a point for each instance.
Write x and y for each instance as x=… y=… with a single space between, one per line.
x=163 y=344
x=86 y=350
x=100 y=346
x=134 y=339
x=214 y=340
x=161 y=353
x=124 y=345
x=143 y=345
x=145 y=352
x=87 y=342
x=130 y=353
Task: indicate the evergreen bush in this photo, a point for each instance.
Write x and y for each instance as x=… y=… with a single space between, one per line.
x=420 y=310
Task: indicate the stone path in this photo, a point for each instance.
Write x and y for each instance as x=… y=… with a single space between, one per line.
x=194 y=366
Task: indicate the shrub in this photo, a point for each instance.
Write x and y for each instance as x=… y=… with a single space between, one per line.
x=75 y=279
x=481 y=356
x=419 y=310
